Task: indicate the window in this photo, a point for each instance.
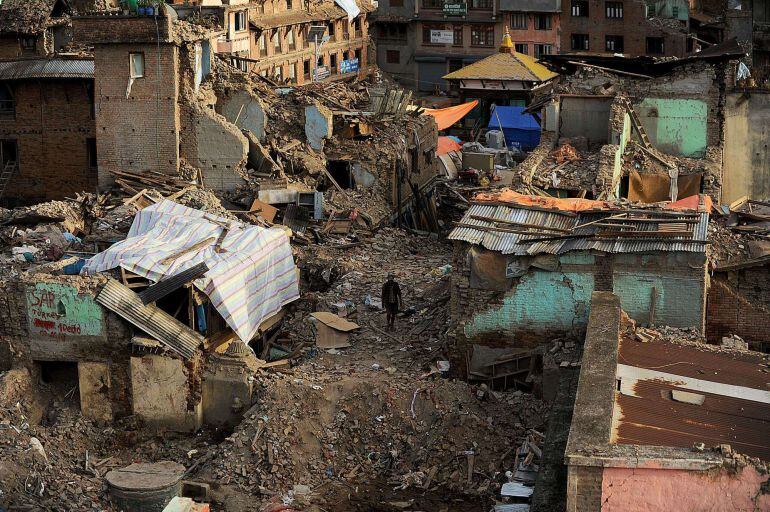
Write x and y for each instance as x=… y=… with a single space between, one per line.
x=518 y=21
x=7 y=102
x=579 y=41
x=9 y=154
x=136 y=65
x=650 y=10
x=28 y=44
x=288 y=5
x=333 y=63
x=278 y=73
x=542 y=22
x=293 y=72
x=240 y=21
x=543 y=49
x=262 y=45
x=332 y=26
x=426 y=28
x=674 y=11
x=261 y=7
x=393 y=57
x=613 y=44
x=482 y=35
x=481 y=4
x=579 y=8
x=457 y=35
x=521 y=48
x=654 y=45
x=396 y=3
x=290 y=42
x=357 y=26
x=432 y=4
x=358 y=56
x=306 y=69
x=613 y=10
x=277 y=41
x=91 y=152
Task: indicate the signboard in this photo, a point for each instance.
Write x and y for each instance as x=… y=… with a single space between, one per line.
x=321 y=73
x=57 y=311
x=455 y=9
x=349 y=66
x=442 y=37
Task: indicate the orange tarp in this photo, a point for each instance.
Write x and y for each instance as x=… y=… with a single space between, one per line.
x=568 y=205
x=446 y=117
x=447 y=145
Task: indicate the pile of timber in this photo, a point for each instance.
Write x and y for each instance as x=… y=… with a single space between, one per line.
x=132 y=183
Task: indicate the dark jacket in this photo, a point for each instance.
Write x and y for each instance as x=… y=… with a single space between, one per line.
x=391 y=294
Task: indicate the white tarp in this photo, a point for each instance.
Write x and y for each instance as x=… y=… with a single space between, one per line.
x=351 y=7
x=251 y=277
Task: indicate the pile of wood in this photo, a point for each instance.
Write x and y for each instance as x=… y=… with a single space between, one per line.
x=750 y=216
x=132 y=183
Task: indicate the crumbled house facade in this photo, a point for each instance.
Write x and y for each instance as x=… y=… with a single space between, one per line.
x=524 y=273
x=46 y=106
x=654 y=423
x=284 y=50
x=162 y=352
x=680 y=137
x=232 y=17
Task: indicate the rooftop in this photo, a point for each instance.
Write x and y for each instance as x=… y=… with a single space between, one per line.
x=679 y=395
x=57 y=68
x=504 y=66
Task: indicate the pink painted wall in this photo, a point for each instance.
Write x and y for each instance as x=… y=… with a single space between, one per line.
x=676 y=490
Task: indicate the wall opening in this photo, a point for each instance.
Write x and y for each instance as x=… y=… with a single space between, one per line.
x=61 y=377
x=341 y=171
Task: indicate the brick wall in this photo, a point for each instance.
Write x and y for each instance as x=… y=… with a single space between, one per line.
x=139 y=132
x=739 y=303
x=52 y=126
x=93 y=30
x=584 y=489
x=633 y=27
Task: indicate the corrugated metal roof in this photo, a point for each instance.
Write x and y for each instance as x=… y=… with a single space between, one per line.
x=735 y=387
x=46 y=68
x=159 y=324
x=559 y=223
x=504 y=66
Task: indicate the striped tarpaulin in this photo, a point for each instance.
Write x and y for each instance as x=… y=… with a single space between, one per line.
x=248 y=281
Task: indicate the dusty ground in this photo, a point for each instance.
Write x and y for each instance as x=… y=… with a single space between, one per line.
x=366 y=428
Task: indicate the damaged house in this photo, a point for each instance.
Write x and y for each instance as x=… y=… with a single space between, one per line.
x=662 y=422
x=162 y=338
x=524 y=267
x=640 y=129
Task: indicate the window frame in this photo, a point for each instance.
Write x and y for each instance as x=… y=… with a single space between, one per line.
x=584 y=37
x=540 y=17
x=612 y=41
x=542 y=46
x=131 y=73
x=579 y=9
x=240 y=21
x=518 y=47
x=482 y=35
x=458 y=29
x=519 y=16
x=613 y=10
x=662 y=41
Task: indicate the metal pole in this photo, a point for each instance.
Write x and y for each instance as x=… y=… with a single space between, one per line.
x=315 y=60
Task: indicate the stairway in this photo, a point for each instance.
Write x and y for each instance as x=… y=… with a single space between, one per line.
x=5 y=176
x=636 y=122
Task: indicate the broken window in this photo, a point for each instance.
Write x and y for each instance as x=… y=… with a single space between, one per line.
x=341 y=172
x=91 y=152
x=136 y=65
x=543 y=49
x=28 y=44
x=654 y=45
x=393 y=57
x=519 y=21
x=579 y=41
x=613 y=10
x=613 y=44
x=9 y=154
x=240 y=21
x=521 y=48
x=7 y=102
x=579 y=8
x=542 y=22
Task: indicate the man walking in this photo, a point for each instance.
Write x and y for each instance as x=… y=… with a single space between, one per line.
x=391 y=299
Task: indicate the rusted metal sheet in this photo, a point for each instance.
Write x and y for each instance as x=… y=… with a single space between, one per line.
x=47 y=68
x=735 y=409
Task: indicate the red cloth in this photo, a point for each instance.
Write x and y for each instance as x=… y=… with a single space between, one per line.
x=447 y=145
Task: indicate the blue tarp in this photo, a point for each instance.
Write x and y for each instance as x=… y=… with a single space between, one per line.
x=520 y=129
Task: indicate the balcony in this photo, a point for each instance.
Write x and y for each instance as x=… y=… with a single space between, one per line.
x=239 y=43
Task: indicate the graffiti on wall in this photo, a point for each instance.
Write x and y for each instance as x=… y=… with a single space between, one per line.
x=57 y=310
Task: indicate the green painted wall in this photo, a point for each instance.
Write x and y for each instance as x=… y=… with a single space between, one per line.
x=57 y=310
x=675 y=126
x=672 y=9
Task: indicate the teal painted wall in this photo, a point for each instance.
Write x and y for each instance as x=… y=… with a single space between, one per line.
x=57 y=310
x=559 y=301
x=675 y=126
x=672 y=9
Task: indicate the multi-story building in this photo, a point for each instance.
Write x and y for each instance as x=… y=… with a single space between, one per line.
x=420 y=41
x=534 y=25
x=294 y=43
x=232 y=16
x=627 y=27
